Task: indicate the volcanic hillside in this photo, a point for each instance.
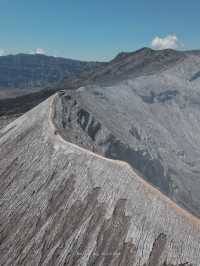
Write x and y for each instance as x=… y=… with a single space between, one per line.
x=64 y=205
x=146 y=113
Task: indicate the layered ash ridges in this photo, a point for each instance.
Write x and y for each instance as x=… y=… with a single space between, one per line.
x=64 y=205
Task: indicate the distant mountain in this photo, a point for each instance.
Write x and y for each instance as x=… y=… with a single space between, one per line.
x=130 y=64
x=32 y=72
x=133 y=64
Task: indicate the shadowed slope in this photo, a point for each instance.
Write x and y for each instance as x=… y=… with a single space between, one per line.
x=63 y=205
x=151 y=121
x=12 y=108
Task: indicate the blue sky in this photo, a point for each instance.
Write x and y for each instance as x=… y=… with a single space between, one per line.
x=97 y=29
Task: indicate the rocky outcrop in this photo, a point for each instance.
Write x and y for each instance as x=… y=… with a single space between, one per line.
x=63 y=205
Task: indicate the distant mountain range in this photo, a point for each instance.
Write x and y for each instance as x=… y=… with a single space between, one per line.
x=23 y=73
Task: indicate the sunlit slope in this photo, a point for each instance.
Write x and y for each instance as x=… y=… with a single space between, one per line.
x=63 y=205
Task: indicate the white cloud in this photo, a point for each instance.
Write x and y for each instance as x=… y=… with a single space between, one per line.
x=40 y=51
x=170 y=41
x=2 y=52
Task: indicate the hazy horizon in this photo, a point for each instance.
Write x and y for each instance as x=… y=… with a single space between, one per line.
x=96 y=31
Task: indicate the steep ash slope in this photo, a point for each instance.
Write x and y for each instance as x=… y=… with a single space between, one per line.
x=63 y=205
x=152 y=122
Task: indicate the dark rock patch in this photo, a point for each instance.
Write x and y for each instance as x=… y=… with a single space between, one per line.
x=161 y=97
